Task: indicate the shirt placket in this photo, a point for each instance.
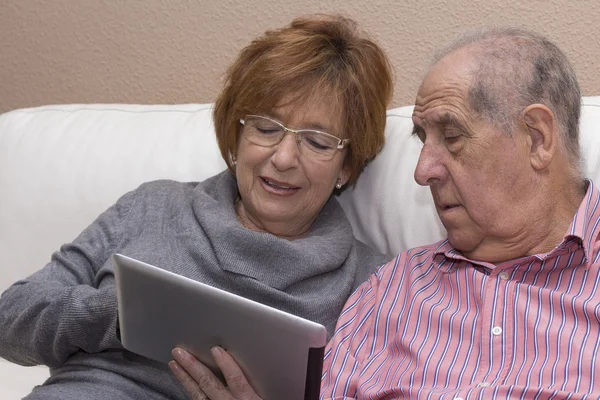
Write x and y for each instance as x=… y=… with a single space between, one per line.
x=496 y=329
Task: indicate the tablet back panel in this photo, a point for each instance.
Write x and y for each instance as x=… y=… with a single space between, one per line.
x=281 y=354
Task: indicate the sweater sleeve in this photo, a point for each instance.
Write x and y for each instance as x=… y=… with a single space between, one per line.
x=353 y=335
x=70 y=304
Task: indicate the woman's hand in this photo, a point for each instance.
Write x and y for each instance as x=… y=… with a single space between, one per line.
x=200 y=383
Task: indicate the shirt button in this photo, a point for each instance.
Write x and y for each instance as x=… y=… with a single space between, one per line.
x=504 y=276
x=496 y=330
x=458 y=398
x=483 y=385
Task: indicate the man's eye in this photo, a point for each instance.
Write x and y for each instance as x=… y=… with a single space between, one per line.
x=452 y=139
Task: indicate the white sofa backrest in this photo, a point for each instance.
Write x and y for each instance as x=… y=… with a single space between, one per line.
x=61 y=166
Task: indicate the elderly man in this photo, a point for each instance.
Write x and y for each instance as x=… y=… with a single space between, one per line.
x=509 y=305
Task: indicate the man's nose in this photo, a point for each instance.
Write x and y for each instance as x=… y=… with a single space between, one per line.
x=430 y=167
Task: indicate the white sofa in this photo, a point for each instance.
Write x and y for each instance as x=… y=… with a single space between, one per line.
x=60 y=166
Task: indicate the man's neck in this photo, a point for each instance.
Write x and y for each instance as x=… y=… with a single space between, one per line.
x=549 y=216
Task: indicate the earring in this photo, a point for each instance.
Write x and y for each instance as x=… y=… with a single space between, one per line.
x=338 y=185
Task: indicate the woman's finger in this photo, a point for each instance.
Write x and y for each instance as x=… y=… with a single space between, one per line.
x=189 y=384
x=205 y=380
x=236 y=380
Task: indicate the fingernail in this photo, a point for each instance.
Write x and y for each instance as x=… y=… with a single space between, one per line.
x=216 y=351
x=178 y=353
x=173 y=365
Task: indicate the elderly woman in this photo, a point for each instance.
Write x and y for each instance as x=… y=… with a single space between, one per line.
x=301 y=114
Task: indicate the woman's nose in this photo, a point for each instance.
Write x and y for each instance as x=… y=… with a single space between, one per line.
x=286 y=152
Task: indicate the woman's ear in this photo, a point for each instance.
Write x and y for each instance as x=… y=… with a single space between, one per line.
x=542 y=134
x=232 y=159
x=343 y=177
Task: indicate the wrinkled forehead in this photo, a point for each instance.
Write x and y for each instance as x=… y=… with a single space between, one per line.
x=447 y=105
x=445 y=89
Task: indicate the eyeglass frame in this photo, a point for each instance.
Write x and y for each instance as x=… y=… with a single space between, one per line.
x=342 y=143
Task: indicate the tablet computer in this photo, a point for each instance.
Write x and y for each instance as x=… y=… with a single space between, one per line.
x=281 y=354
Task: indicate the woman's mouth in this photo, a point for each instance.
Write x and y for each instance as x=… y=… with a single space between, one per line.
x=277 y=187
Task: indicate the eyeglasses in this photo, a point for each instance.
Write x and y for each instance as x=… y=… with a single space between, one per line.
x=263 y=131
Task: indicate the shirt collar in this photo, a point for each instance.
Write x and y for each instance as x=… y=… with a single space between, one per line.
x=585 y=226
x=585 y=229
x=447 y=256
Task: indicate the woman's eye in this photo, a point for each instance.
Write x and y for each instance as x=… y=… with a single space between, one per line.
x=316 y=144
x=268 y=130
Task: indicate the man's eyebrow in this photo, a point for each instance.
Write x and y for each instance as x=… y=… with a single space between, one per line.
x=445 y=120
x=449 y=120
x=416 y=130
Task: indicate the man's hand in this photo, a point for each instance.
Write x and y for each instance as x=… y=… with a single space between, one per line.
x=200 y=383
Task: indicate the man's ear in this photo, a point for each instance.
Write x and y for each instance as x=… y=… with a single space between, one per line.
x=542 y=130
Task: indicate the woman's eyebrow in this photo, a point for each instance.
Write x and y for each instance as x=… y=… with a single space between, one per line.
x=317 y=126
x=274 y=115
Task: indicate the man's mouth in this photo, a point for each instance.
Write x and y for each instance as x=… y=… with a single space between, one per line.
x=449 y=207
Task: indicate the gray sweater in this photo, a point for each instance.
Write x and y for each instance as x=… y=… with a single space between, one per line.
x=64 y=316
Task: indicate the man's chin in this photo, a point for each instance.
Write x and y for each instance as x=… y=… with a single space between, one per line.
x=462 y=242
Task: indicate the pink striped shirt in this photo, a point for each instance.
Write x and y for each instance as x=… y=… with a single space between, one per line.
x=432 y=324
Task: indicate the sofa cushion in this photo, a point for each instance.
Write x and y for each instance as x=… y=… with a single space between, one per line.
x=17 y=382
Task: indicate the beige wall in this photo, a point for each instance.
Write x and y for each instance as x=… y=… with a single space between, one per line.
x=175 y=51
